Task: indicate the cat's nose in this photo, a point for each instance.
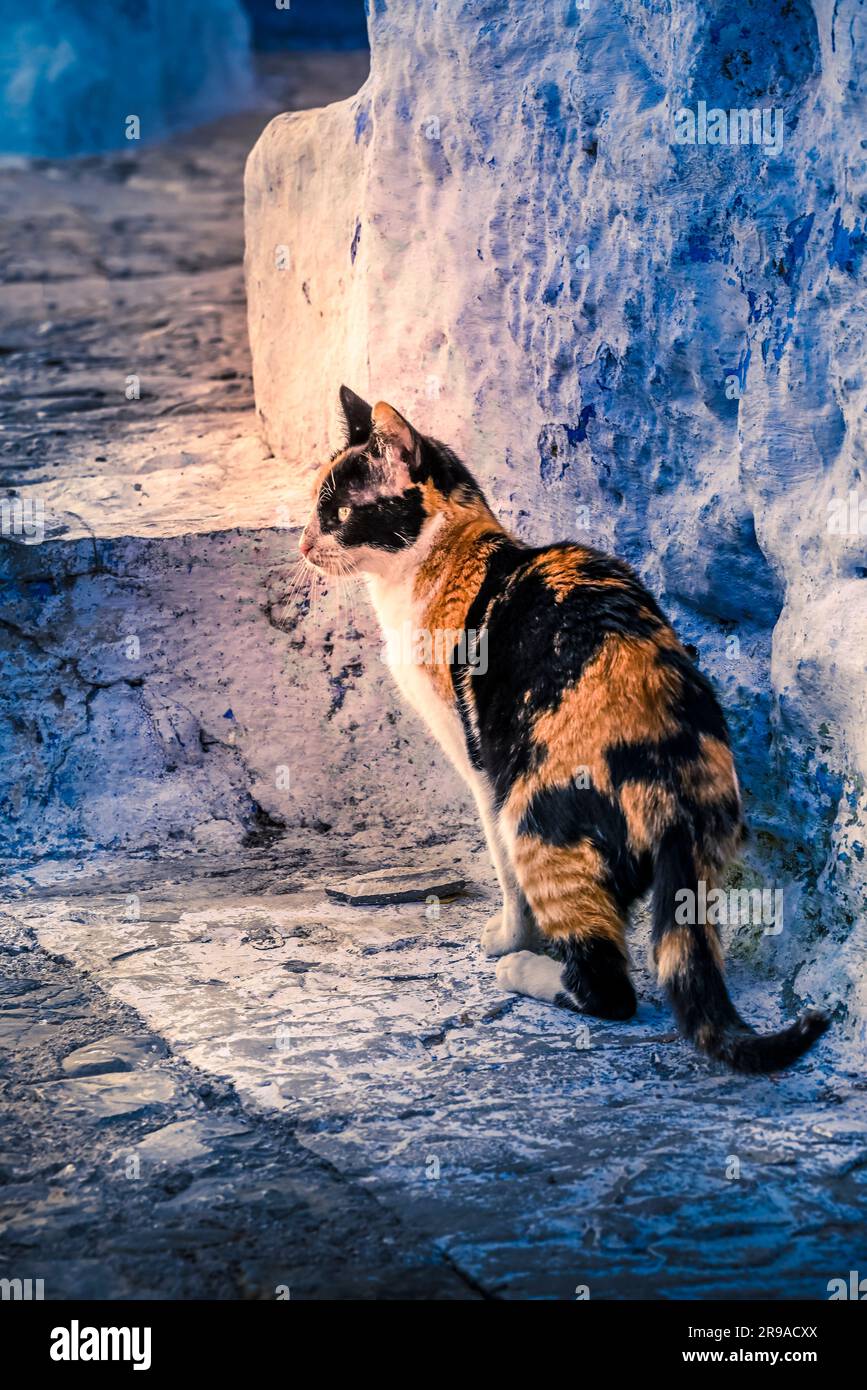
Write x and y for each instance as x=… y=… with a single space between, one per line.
x=305 y=545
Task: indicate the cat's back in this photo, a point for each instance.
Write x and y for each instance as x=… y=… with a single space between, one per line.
x=582 y=663
x=560 y=604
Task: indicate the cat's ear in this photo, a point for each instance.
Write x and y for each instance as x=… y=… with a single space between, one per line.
x=358 y=415
x=396 y=435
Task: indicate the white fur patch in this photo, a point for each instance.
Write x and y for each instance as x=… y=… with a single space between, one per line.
x=393 y=603
x=525 y=972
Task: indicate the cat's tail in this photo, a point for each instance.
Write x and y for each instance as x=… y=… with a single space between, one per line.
x=690 y=965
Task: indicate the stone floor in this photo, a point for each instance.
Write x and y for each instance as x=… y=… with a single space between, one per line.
x=126 y=1173
x=535 y=1153
x=217 y=1081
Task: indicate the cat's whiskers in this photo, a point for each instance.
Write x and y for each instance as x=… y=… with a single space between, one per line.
x=316 y=582
x=300 y=576
x=289 y=593
x=297 y=576
x=345 y=571
x=351 y=588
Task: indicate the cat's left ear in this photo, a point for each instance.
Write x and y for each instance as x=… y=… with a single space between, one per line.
x=396 y=436
x=358 y=416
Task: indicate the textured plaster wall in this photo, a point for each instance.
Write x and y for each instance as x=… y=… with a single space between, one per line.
x=656 y=347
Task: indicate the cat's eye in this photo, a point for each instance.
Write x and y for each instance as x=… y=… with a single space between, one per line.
x=344 y=513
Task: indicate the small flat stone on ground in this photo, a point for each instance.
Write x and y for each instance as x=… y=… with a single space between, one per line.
x=383 y=886
x=185 y=1140
x=98 y=1098
x=110 y=1054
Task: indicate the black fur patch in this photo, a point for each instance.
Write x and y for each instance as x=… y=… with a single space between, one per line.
x=358 y=416
x=352 y=470
x=697 y=706
x=438 y=465
x=540 y=644
x=460 y=675
x=652 y=761
x=390 y=523
x=596 y=975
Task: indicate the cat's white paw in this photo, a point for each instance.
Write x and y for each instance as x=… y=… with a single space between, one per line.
x=499 y=936
x=525 y=972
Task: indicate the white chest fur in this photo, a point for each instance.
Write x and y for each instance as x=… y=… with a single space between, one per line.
x=410 y=652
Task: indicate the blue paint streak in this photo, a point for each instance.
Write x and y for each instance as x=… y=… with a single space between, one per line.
x=847 y=246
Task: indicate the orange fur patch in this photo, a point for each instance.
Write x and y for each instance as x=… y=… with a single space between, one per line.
x=561 y=570
x=452 y=573
x=649 y=809
x=674 y=955
x=623 y=695
x=711 y=776
x=565 y=890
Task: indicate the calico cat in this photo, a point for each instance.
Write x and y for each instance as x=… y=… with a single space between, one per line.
x=597 y=753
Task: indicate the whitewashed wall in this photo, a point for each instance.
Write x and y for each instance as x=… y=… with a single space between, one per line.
x=658 y=347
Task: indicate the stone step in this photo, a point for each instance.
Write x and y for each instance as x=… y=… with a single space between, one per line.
x=180 y=692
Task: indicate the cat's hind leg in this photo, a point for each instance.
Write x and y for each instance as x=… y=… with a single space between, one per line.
x=582 y=925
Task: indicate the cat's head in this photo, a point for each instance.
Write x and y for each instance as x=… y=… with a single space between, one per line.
x=377 y=500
